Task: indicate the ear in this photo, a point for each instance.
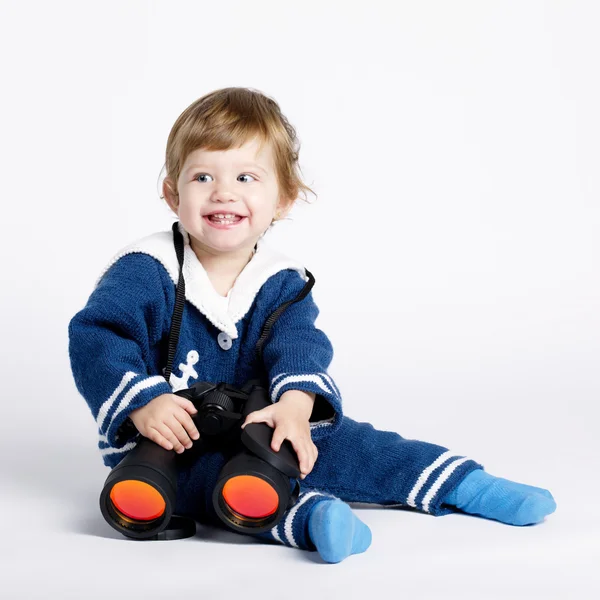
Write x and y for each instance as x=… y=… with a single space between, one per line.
x=170 y=194
x=283 y=208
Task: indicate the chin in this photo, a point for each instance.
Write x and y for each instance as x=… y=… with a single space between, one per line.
x=231 y=246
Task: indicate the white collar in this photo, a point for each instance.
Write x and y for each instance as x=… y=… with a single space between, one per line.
x=199 y=290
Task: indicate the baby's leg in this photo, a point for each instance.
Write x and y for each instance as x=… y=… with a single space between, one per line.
x=317 y=521
x=324 y=523
x=359 y=463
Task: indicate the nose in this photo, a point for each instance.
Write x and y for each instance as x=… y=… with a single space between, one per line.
x=223 y=203
x=220 y=194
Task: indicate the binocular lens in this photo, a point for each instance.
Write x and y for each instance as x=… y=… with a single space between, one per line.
x=137 y=500
x=250 y=496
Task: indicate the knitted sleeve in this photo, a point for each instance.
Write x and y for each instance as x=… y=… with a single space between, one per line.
x=110 y=347
x=297 y=356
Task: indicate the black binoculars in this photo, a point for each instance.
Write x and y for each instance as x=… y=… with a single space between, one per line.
x=254 y=487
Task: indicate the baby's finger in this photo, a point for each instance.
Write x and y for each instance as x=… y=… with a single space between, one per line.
x=189 y=425
x=301 y=451
x=165 y=430
x=311 y=454
x=310 y=460
x=179 y=430
x=159 y=438
x=278 y=438
x=264 y=415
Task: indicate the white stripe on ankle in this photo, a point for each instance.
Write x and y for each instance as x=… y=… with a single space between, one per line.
x=275 y=533
x=289 y=521
x=440 y=480
x=424 y=476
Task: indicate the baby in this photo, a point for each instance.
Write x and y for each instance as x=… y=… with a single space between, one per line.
x=233 y=282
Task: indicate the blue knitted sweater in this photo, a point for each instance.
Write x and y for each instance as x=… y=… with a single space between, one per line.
x=117 y=342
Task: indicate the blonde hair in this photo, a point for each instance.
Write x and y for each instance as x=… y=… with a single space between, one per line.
x=229 y=117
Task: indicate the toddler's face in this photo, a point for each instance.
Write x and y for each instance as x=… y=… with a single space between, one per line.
x=240 y=181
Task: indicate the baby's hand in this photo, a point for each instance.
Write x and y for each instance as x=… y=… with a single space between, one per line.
x=289 y=421
x=166 y=421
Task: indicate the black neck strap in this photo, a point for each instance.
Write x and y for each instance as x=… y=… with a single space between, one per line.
x=180 y=305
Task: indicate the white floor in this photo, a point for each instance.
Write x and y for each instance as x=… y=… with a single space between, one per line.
x=57 y=545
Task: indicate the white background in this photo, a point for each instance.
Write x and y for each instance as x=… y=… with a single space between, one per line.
x=454 y=150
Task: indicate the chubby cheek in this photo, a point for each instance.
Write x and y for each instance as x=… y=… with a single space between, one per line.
x=190 y=215
x=261 y=223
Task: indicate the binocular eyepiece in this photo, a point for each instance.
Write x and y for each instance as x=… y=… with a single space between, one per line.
x=254 y=487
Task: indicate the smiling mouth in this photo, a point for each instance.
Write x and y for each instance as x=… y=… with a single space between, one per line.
x=234 y=219
x=223 y=223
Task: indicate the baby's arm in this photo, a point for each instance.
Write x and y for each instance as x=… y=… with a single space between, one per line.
x=297 y=356
x=110 y=347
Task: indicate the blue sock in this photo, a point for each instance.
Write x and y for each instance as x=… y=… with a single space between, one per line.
x=336 y=531
x=492 y=497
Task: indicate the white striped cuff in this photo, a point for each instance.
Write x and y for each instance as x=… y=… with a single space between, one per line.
x=318 y=383
x=288 y=523
x=430 y=485
x=129 y=396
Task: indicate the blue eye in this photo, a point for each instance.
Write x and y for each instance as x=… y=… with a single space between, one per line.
x=206 y=174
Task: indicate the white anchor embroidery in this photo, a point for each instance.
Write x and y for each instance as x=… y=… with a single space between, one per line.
x=187 y=371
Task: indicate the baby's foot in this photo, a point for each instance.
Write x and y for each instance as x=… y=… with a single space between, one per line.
x=336 y=531
x=492 y=497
